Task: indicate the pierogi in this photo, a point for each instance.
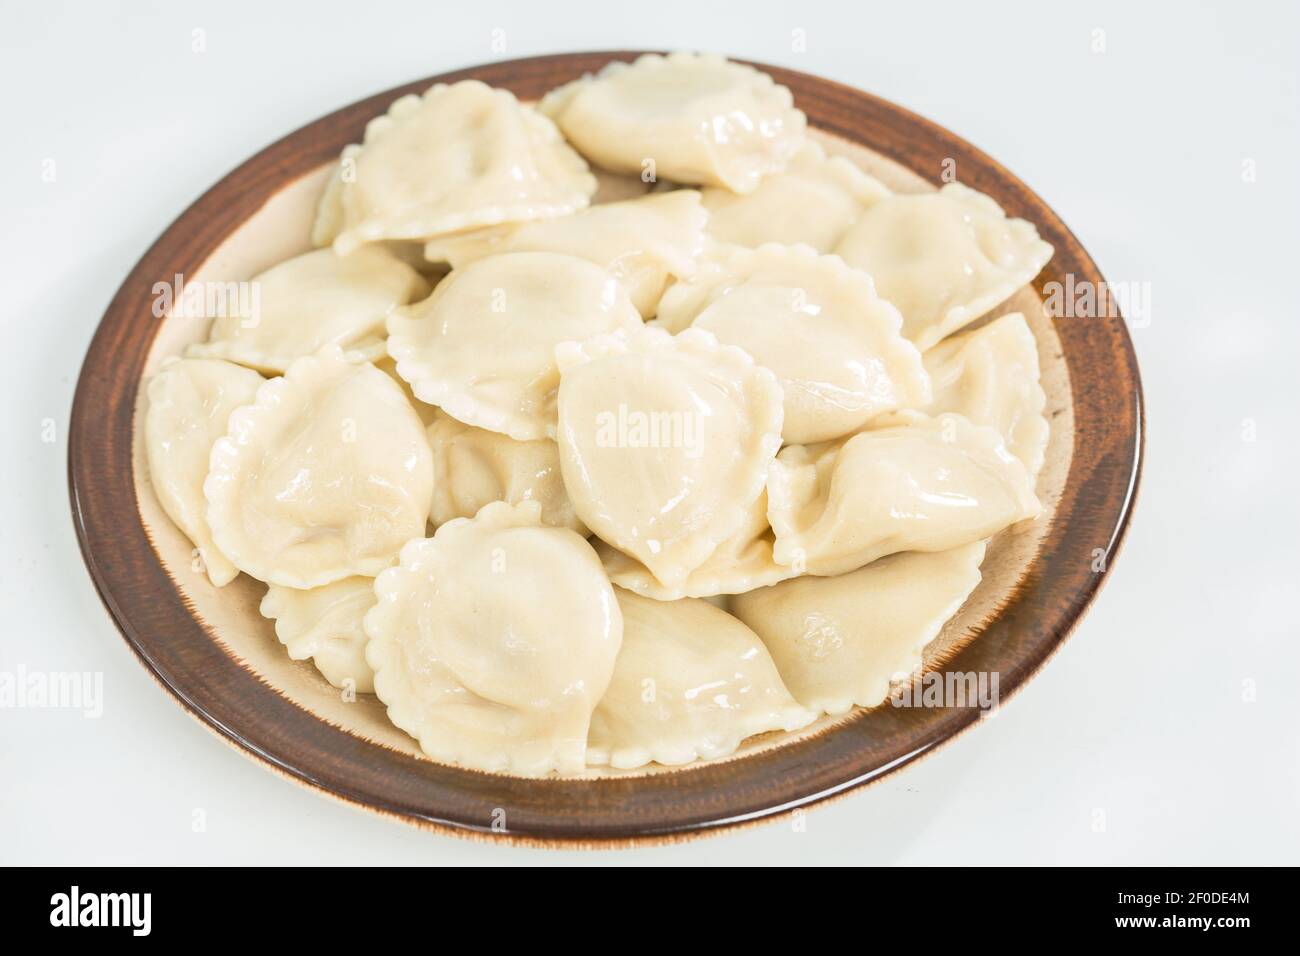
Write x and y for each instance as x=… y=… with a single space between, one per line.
x=643 y=462
x=814 y=201
x=642 y=242
x=991 y=377
x=325 y=625
x=190 y=401
x=665 y=442
x=944 y=259
x=325 y=475
x=473 y=467
x=311 y=301
x=833 y=343
x=493 y=641
x=482 y=347
x=690 y=682
x=928 y=486
x=690 y=118
x=840 y=642
x=459 y=157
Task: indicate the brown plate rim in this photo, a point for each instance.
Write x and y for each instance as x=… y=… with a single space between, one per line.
x=153 y=617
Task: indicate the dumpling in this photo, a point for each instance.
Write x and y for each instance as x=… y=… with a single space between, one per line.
x=813 y=201
x=494 y=640
x=190 y=401
x=691 y=682
x=990 y=376
x=692 y=118
x=839 y=642
x=460 y=156
x=819 y=325
x=428 y=413
x=665 y=442
x=314 y=300
x=330 y=218
x=930 y=486
x=740 y=563
x=325 y=624
x=482 y=347
x=943 y=258
x=641 y=242
x=326 y=475
x=473 y=466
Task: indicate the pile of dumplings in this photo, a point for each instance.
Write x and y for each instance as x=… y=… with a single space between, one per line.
x=570 y=483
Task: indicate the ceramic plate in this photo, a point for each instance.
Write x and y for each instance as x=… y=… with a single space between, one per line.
x=219 y=658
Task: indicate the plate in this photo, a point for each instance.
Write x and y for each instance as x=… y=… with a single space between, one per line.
x=219 y=658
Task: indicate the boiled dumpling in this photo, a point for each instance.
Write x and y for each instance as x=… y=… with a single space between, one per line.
x=325 y=624
x=642 y=242
x=326 y=475
x=943 y=258
x=190 y=401
x=929 y=486
x=461 y=156
x=819 y=325
x=813 y=201
x=665 y=442
x=991 y=377
x=839 y=642
x=493 y=641
x=685 y=117
x=740 y=563
x=691 y=682
x=482 y=347
x=314 y=300
x=428 y=413
x=473 y=466
x=330 y=216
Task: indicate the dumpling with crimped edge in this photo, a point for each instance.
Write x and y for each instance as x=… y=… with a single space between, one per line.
x=458 y=157
x=324 y=476
x=190 y=401
x=839 y=642
x=814 y=201
x=493 y=641
x=643 y=242
x=740 y=563
x=991 y=377
x=313 y=300
x=928 y=486
x=665 y=442
x=943 y=258
x=698 y=118
x=833 y=343
x=428 y=413
x=690 y=683
x=482 y=347
x=324 y=625
x=473 y=467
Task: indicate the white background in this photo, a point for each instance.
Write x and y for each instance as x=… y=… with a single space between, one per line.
x=1164 y=732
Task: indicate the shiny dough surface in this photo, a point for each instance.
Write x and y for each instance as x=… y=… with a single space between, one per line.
x=626 y=428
